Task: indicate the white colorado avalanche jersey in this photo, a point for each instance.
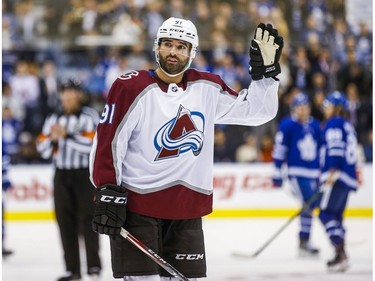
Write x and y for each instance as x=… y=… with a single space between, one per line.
x=157 y=139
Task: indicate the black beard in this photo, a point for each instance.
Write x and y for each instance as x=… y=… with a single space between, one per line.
x=172 y=68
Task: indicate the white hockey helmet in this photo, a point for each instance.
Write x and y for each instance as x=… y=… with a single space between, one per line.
x=176 y=28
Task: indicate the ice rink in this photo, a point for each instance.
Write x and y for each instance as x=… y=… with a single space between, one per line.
x=38 y=255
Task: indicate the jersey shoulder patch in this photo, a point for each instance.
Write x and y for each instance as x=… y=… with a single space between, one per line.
x=131 y=84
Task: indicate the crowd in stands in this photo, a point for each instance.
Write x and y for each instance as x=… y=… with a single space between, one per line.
x=46 y=41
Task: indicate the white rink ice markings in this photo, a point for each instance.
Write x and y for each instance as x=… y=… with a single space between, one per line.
x=38 y=255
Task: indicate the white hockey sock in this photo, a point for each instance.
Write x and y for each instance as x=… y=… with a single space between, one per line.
x=153 y=278
x=175 y=279
x=142 y=278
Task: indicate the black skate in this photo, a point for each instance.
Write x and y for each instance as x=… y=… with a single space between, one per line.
x=94 y=273
x=340 y=262
x=6 y=253
x=307 y=250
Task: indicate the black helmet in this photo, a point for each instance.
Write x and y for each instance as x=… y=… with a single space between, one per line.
x=71 y=83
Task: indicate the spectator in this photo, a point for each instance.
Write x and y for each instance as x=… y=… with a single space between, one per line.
x=114 y=71
x=200 y=63
x=227 y=70
x=363 y=44
x=137 y=58
x=358 y=112
x=351 y=72
x=11 y=130
x=11 y=125
x=222 y=151
x=175 y=9
x=248 y=151
x=90 y=17
x=266 y=148
x=285 y=75
x=9 y=28
x=126 y=31
x=49 y=85
x=26 y=22
x=152 y=19
x=202 y=17
x=300 y=68
x=25 y=90
x=97 y=68
x=368 y=147
x=319 y=83
x=340 y=32
x=71 y=26
x=317 y=105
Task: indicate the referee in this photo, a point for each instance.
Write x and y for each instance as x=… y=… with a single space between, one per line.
x=67 y=136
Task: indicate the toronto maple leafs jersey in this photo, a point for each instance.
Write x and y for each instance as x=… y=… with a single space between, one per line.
x=157 y=139
x=5 y=164
x=297 y=145
x=340 y=151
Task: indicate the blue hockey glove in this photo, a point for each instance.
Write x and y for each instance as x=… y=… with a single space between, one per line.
x=6 y=183
x=277 y=182
x=110 y=211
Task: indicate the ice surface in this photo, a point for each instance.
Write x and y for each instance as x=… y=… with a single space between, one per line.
x=38 y=255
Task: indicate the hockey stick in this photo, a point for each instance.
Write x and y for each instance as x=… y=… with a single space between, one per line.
x=313 y=198
x=152 y=255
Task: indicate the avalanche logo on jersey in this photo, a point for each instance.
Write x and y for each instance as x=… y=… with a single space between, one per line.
x=181 y=134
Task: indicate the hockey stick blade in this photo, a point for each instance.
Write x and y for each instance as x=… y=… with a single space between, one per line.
x=313 y=198
x=152 y=255
x=243 y=255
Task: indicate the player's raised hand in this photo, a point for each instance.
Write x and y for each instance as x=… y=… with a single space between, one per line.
x=265 y=52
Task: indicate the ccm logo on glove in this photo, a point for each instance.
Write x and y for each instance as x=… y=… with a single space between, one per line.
x=110 y=209
x=113 y=199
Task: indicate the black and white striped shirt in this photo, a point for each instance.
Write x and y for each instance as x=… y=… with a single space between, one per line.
x=73 y=151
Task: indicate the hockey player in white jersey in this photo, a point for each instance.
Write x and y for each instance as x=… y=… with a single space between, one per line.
x=152 y=157
x=297 y=145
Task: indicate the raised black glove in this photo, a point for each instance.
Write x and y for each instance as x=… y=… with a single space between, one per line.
x=265 y=52
x=110 y=210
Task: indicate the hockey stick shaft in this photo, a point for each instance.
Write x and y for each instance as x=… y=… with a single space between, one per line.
x=152 y=255
x=313 y=198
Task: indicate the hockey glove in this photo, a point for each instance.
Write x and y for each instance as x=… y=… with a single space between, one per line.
x=277 y=178
x=265 y=52
x=110 y=211
x=277 y=182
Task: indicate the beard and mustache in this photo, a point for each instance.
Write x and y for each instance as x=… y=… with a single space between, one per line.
x=172 y=68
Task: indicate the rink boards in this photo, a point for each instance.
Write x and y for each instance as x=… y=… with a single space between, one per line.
x=240 y=190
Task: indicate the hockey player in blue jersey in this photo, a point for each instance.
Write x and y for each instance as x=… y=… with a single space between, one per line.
x=6 y=186
x=297 y=145
x=338 y=174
